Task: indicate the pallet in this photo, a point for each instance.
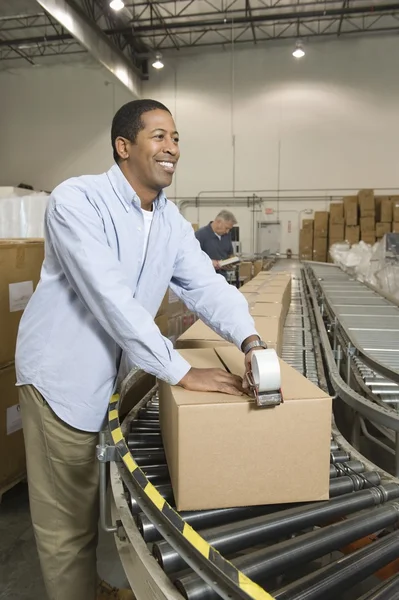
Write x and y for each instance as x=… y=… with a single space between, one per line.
x=8 y=486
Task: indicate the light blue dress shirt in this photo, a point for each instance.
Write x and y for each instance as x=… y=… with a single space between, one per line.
x=96 y=297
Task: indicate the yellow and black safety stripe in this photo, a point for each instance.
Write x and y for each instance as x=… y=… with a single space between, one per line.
x=252 y=589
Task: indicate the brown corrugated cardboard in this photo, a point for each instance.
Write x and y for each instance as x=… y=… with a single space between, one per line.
x=245 y=269
x=366 y=203
x=257 y=267
x=216 y=445
x=12 y=465
x=336 y=213
x=199 y=335
x=306 y=256
x=367 y=224
x=320 y=249
x=337 y=231
x=163 y=309
x=351 y=210
x=308 y=225
x=368 y=237
x=270 y=330
x=384 y=210
x=352 y=234
x=395 y=227
x=333 y=241
x=306 y=240
x=381 y=229
x=321 y=224
x=263 y=309
x=195 y=226
x=395 y=208
x=20 y=265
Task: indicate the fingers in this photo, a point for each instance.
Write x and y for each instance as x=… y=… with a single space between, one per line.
x=231 y=390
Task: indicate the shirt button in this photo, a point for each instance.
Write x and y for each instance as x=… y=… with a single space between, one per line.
x=138 y=228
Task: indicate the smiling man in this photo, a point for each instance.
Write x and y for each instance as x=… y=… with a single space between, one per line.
x=113 y=245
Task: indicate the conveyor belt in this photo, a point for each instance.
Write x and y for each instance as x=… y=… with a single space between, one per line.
x=275 y=546
x=370 y=321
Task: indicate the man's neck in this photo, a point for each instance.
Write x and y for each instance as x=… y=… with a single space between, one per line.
x=147 y=197
x=213 y=227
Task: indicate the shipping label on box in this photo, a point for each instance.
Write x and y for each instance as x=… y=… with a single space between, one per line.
x=216 y=445
x=12 y=447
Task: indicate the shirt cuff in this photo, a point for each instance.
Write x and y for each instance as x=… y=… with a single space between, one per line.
x=178 y=368
x=240 y=334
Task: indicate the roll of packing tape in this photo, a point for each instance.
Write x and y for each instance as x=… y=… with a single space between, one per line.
x=266 y=370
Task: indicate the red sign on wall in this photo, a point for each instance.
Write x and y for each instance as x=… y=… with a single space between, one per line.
x=269 y=211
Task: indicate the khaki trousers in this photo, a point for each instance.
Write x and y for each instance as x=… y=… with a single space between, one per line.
x=63 y=494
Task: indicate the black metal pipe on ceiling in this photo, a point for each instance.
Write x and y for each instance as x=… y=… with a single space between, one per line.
x=221 y=22
x=277 y=559
x=387 y=590
x=231 y=538
x=337 y=577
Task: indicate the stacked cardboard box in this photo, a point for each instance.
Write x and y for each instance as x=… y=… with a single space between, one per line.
x=395 y=213
x=306 y=240
x=20 y=265
x=367 y=216
x=320 y=239
x=216 y=445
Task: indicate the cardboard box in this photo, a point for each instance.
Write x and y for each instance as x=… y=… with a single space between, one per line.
x=217 y=445
x=384 y=209
x=366 y=203
x=321 y=224
x=306 y=244
x=395 y=208
x=367 y=224
x=200 y=335
x=12 y=449
x=336 y=231
x=381 y=229
x=351 y=210
x=308 y=225
x=395 y=227
x=257 y=267
x=352 y=234
x=333 y=241
x=306 y=256
x=245 y=269
x=320 y=249
x=336 y=213
x=368 y=237
x=20 y=266
x=195 y=226
x=263 y=309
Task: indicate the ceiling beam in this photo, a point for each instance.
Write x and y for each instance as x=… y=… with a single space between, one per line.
x=74 y=20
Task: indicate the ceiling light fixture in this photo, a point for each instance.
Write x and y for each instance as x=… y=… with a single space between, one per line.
x=299 y=52
x=158 y=64
x=117 y=4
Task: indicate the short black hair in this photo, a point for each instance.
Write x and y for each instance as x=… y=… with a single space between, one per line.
x=127 y=122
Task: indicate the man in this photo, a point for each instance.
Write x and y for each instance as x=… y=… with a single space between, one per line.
x=215 y=239
x=113 y=244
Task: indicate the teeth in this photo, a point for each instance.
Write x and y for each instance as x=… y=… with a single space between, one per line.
x=168 y=165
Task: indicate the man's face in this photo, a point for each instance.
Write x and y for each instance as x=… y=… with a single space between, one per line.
x=222 y=227
x=154 y=155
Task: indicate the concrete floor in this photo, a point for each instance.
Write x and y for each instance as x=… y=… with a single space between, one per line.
x=20 y=576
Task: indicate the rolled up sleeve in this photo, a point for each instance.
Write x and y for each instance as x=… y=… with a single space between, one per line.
x=76 y=233
x=220 y=305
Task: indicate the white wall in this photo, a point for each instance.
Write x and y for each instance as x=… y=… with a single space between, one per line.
x=327 y=122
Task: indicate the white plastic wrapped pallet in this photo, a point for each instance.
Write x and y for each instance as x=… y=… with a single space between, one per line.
x=23 y=216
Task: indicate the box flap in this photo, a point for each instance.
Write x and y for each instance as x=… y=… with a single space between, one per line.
x=294 y=385
x=263 y=309
x=199 y=331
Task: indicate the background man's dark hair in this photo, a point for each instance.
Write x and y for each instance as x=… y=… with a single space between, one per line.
x=127 y=122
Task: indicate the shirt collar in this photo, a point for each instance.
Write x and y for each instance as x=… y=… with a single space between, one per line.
x=126 y=193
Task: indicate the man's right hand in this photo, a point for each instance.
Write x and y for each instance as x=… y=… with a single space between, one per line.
x=212 y=380
x=216 y=264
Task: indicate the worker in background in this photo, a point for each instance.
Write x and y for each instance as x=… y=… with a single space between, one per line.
x=113 y=245
x=215 y=239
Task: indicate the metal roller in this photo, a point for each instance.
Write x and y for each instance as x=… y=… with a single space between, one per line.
x=143 y=457
x=159 y=473
x=389 y=590
x=144 y=440
x=337 y=577
x=340 y=469
x=142 y=423
x=352 y=483
x=148 y=414
x=166 y=492
x=200 y=519
x=334 y=446
x=231 y=538
x=339 y=456
x=275 y=560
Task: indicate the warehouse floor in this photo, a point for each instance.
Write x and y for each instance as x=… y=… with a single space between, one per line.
x=20 y=577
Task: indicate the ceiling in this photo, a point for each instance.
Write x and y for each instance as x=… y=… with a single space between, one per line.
x=30 y=35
